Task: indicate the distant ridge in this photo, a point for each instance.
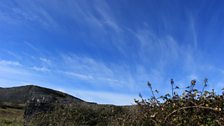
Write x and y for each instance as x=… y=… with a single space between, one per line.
x=21 y=94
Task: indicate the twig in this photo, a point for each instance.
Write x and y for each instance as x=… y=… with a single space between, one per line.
x=188 y=107
x=218 y=122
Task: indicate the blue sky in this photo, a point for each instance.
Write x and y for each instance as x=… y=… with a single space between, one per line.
x=105 y=51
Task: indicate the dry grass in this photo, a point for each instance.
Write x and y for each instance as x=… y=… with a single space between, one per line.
x=11 y=117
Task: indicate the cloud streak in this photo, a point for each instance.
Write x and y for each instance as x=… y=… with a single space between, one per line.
x=95 y=73
x=102 y=48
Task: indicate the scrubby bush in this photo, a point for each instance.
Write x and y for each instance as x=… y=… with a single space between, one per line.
x=192 y=107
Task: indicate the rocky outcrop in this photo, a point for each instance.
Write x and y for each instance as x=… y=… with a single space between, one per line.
x=38 y=105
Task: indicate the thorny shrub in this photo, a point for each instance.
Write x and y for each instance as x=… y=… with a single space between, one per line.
x=192 y=107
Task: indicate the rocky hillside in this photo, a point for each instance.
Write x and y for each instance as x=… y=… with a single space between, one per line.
x=20 y=95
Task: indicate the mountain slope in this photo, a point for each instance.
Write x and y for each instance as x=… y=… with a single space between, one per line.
x=20 y=95
x=43 y=106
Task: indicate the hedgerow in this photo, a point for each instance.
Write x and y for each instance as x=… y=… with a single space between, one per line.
x=192 y=107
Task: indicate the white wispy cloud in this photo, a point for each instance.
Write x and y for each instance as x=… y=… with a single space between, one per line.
x=31 y=46
x=46 y=61
x=13 y=71
x=9 y=63
x=97 y=72
x=41 y=69
x=80 y=76
x=28 y=12
x=107 y=16
x=193 y=32
x=158 y=48
x=103 y=97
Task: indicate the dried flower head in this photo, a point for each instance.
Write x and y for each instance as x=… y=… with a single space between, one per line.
x=172 y=81
x=193 y=82
x=205 y=81
x=140 y=95
x=149 y=84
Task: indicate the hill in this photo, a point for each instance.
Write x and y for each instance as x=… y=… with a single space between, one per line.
x=20 y=95
x=43 y=106
x=14 y=102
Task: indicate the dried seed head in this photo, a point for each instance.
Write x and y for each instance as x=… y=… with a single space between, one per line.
x=193 y=82
x=149 y=84
x=205 y=81
x=172 y=81
x=140 y=95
